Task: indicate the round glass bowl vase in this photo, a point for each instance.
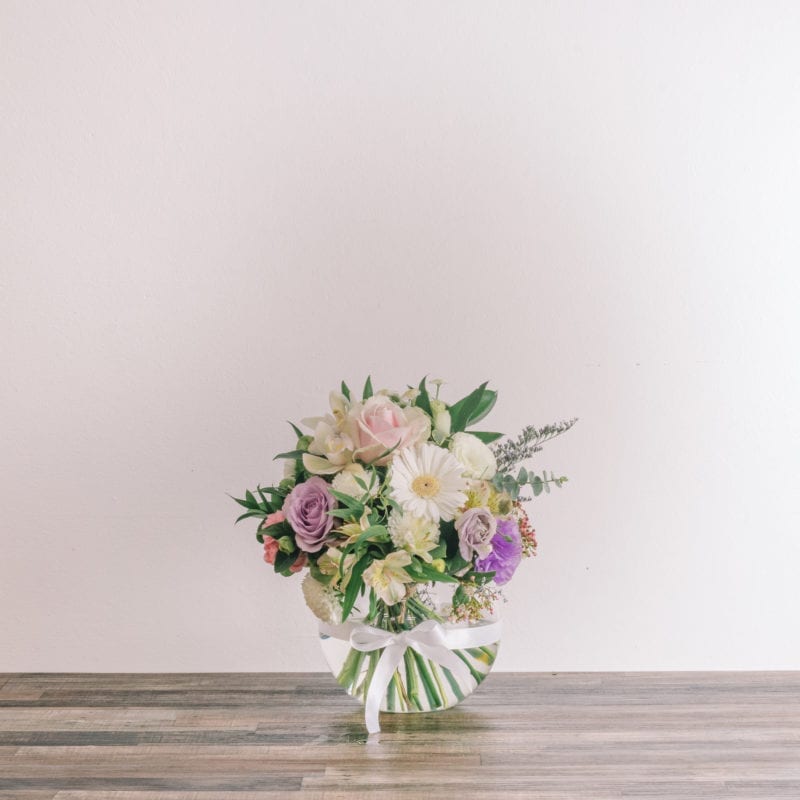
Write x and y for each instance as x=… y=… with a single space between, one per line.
x=418 y=683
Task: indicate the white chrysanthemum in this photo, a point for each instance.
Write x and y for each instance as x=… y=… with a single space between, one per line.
x=416 y=535
x=322 y=600
x=428 y=481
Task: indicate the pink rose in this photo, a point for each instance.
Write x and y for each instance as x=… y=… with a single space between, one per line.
x=381 y=425
x=270 y=549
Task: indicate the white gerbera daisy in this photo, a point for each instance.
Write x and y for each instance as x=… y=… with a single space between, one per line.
x=428 y=481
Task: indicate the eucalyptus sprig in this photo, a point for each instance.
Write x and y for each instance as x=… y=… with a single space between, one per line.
x=512 y=485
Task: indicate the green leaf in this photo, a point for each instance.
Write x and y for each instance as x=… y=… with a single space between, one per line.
x=346 y=390
x=537 y=485
x=248 y=504
x=456 y=563
x=278 y=530
x=355 y=585
x=482 y=577
x=250 y=514
x=486 y=404
x=423 y=400
x=297 y=430
x=347 y=500
x=283 y=561
x=440 y=551
x=428 y=573
x=375 y=533
x=293 y=454
x=367 y=393
x=462 y=411
x=487 y=437
x=321 y=577
x=350 y=514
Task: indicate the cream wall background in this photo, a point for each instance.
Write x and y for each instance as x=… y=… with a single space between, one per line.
x=213 y=212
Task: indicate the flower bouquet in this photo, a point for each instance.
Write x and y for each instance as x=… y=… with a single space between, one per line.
x=386 y=504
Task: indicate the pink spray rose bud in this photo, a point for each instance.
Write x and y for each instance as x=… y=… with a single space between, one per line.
x=302 y=560
x=273 y=519
x=270 y=549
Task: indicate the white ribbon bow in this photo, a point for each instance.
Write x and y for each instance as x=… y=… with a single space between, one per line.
x=430 y=639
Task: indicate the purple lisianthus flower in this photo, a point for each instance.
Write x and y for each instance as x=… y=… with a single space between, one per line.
x=306 y=508
x=506 y=552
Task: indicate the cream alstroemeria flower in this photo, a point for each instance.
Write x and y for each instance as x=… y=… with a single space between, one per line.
x=329 y=564
x=388 y=578
x=478 y=494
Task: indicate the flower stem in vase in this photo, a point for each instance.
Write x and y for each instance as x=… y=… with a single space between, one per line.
x=348 y=676
x=451 y=679
x=374 y=657
x=402 y=696
x=434 y=701
x=412 y=680
x=438 y=678
x=475 y=674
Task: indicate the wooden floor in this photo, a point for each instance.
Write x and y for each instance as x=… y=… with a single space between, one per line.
x=289 y=735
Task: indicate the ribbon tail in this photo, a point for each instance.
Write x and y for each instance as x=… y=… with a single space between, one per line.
x=388 y=663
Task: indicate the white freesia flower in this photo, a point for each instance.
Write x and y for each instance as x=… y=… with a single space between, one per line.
x=478 y=460
x=428 y=481
x=387 y=576
x=322 y=600
x=345 y=481
x=416 y=535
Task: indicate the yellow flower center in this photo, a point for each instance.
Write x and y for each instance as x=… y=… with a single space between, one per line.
x=426 y=485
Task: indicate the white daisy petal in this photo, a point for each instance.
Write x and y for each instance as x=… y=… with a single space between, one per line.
x=427 y=481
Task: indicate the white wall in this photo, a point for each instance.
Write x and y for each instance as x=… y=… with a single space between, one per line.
x=210 y=213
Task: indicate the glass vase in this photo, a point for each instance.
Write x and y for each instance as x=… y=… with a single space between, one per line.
x=418 y=683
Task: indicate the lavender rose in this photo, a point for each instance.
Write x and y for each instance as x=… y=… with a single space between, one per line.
x=306 y=508
x=506 y=552
x=476 y=527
